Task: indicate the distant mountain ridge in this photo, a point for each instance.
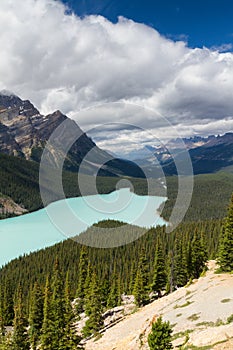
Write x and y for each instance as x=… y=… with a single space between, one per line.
x=208 y=154
x=24 y=132
x=215 y=153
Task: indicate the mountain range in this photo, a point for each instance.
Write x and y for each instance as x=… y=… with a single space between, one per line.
x=208 y=154
x=24 y=131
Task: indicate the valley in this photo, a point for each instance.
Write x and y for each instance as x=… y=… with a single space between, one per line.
x=116 y=175
x=110 y=256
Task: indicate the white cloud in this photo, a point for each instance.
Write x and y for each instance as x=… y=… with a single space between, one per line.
x=223 y=47
x=61 y=61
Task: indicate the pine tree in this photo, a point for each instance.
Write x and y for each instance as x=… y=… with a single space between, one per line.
x=20 y=339
x=2 y=321
x=58 y=325
x=226 y=243
x=132 y=277
x=139 y=290
x=47 y=325
x=160 y=274
x=82 y=275
x=141 y=285
x=57 y=306
x=114 y=297
x=105 y=289
x=189 y=260
x=171 y=273
x=6 y=342
x=198 y=256
x=180 y=263
x=93 y=308
x=69 y=340
x=8 y=303
x=35 y=315
x=160 y=336
x=88 y=280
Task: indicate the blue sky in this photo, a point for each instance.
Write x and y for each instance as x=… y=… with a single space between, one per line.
x=203 y=22
x=73 y=62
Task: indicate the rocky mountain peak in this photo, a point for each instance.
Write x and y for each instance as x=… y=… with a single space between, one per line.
x=9 y=100
x=7 y=93
x=24 y=132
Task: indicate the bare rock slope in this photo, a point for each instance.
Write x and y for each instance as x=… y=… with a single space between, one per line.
x=200 y=314
x=8 y=206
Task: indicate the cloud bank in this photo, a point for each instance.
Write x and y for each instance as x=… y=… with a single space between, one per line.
x=61 y=61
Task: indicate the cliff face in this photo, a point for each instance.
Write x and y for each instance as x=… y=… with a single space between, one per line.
x=22 y=127
x=24 y=132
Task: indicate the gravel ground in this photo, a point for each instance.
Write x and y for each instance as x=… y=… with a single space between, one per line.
x=201 y=308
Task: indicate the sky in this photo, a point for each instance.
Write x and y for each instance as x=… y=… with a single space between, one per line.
x=165 y=67
x=201 y=22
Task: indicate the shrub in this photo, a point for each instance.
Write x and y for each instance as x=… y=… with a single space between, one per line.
x=160 y=336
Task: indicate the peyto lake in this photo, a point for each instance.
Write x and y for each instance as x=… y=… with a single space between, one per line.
x=69 y=217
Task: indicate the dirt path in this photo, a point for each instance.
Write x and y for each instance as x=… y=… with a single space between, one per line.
x=201 y=309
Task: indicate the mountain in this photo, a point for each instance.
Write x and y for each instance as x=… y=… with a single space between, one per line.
x=208 y=154
x=147 y=154
x=215 y=154
x=24 y=132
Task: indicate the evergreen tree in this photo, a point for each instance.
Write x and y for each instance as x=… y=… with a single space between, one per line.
x=20 y=339
x=88 y=280
x=47 y=325
x=180 y=263
x=119 y=290
x=132 y=277
x=189 y=260
x=35 y=316
x=114 y=297
x=8 y=303
x=2 y=321
x=69 y=340
x=198 y=256
x=141 y=285
x=171 y=273
x=93 y=308
x=105 y=289
x=160 y=336
x=139 y=290
x=226 y=242
x=82 y=275
x=160 y=274
x=57 y=306
x=6 y=342
x=58 y=325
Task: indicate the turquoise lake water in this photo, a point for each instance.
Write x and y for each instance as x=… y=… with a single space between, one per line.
x=67 y=218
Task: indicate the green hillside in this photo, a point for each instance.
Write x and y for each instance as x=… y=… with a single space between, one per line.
x=210 y=196
x=19 y=180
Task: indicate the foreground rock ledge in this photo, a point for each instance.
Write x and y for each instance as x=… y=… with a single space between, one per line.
x=201 y=310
